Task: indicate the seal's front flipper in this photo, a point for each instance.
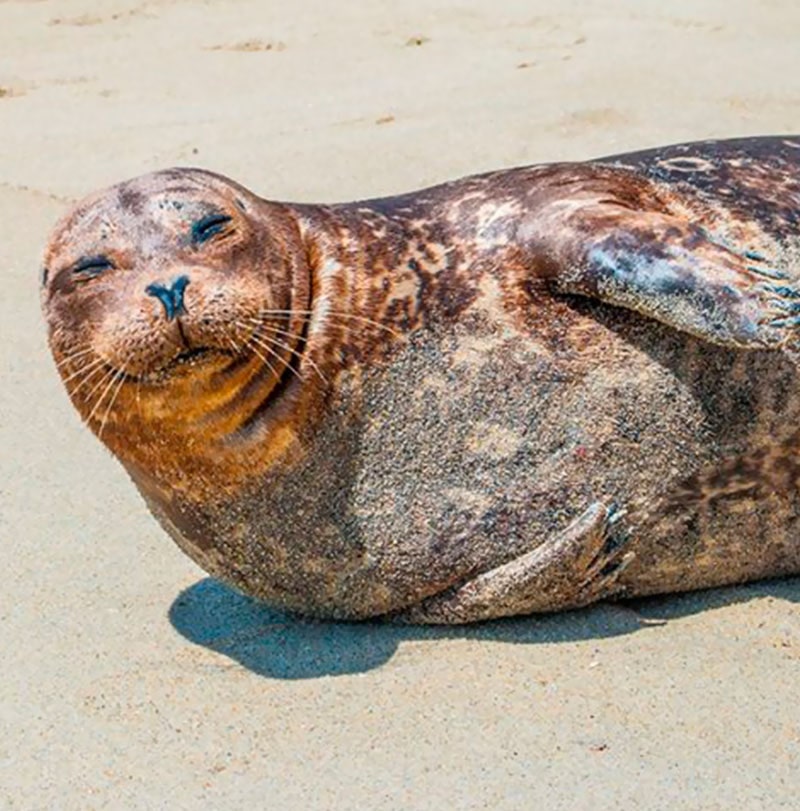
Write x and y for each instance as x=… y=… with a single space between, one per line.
x=666 y=267
x=574 y=568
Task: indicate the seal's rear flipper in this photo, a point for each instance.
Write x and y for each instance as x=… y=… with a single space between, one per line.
x=574 y=568
x=666 y=267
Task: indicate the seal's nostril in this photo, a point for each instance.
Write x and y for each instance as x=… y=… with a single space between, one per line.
x=164 y=296
x=171 y=297
x=178 y=288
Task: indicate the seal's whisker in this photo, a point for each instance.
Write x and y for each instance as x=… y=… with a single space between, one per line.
x=80 y=370
x=138 y=398
x=247 y=324
x=260 y=323
x=288 y=334
x=89 y=374
x=260 y=342
x=230 y=339
x=97 y=406
x=338 y=314
x=107 y=381
x=267 y=363
x=250 y=344
x=329 y=315
x=78 y=353
x=120 y=383
x=296 y=335
x=82 y=364
x=106 y=373
x=304 y=358
x=363 y=319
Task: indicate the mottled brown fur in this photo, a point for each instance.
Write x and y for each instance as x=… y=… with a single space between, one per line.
x=472 y=409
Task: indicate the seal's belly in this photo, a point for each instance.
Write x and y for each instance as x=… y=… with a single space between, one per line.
x=475 y=444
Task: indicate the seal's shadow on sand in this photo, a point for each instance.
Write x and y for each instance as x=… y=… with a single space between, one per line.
x=282 y=646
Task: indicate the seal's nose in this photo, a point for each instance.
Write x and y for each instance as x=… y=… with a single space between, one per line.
x=171 y=297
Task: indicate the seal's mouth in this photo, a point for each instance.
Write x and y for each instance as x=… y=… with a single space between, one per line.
x=190 y=359
x=185 y=363
x=193 y=355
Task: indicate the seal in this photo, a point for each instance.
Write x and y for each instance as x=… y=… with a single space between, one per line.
x=518 y=392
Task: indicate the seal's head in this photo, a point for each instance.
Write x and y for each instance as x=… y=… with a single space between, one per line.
x=173 y=296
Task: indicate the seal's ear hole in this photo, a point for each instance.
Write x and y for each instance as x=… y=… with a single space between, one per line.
x=44 y=275
x=241 y=204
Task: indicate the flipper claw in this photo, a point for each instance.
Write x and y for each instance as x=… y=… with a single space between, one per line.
x=781 y=289
x=770 y=273
x=792 y=321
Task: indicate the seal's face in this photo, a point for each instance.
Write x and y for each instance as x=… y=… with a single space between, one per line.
x=167 y=285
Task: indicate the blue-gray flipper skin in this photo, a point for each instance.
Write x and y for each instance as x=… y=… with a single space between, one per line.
x=658 y=234
x=517 y=392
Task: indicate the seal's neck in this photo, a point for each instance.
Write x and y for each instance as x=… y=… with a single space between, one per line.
x=381 y=269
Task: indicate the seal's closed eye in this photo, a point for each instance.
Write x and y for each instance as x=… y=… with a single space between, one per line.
x=209 y=226
x=90 y=267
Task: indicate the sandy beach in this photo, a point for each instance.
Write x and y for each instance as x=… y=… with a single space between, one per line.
x=132 y=681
